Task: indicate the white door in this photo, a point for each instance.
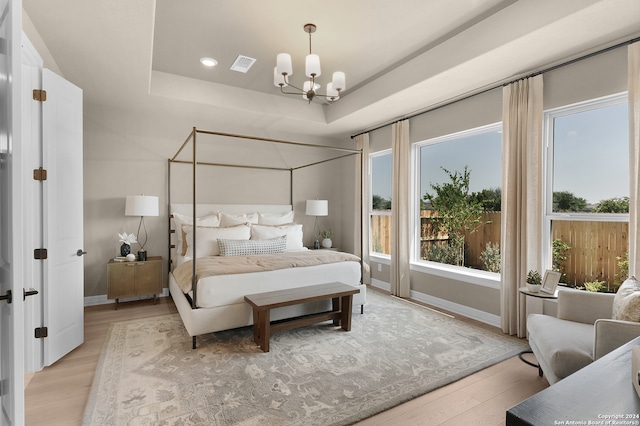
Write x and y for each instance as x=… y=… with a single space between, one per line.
x=11 y=314
x=63 y=216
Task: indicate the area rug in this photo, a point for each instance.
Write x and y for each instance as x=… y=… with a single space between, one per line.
x=316 y=375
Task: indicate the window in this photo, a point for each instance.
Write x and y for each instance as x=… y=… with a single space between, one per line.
x=459 y=193
x=380 y=203
x=587 y=192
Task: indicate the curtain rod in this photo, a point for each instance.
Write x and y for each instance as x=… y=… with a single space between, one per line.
x=497 y=86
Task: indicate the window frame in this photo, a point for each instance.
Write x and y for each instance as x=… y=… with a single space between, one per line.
x=458 y=273
x=373 y=155
x=549 y=215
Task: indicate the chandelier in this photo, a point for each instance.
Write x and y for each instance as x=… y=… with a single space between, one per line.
x=284 y=69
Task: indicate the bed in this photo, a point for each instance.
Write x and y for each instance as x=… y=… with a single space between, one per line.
x=239 y=249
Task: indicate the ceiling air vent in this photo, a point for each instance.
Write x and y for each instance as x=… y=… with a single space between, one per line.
x=242 y=64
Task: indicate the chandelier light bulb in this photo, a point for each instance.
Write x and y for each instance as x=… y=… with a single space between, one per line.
x=284 y=64
x=312 y=65
x=278 y=78
x=332 y=93
x=339 y=80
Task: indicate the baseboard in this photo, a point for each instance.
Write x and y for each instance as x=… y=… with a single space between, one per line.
x=102 y=298
x=456 y=308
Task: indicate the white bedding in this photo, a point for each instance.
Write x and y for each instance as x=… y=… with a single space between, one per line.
x=220 y=290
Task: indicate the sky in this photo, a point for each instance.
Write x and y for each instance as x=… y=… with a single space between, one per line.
x=591 y=157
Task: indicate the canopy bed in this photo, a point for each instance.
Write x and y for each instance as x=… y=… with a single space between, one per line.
x=218 y=253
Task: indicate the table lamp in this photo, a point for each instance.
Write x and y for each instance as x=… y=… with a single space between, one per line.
x=317 y=208
x=141 y=205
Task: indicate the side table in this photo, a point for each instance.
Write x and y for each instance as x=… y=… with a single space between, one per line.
x=538 y=295
x=137 y=278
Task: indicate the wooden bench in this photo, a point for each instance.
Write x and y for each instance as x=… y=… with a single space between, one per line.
x=340 y=294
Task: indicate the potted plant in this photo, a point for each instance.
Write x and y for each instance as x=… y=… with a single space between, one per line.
x=326 y=238
x=534 y=281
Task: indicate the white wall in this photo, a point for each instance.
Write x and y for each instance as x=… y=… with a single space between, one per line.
x=125 y=154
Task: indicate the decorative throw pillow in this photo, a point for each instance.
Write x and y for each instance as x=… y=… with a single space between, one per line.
x=251 y=247
x=211 y=220
x=275 y=218
x=293 y=233
x=626 y=305
x=207 y=238
x=229 y=219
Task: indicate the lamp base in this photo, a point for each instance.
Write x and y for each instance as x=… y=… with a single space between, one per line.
x=316 y=244
x=142 y=255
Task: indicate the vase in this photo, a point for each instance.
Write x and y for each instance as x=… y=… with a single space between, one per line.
x=326 y=243
x=125 y=249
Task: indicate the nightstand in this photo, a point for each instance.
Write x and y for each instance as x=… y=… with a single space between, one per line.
x=132 y=279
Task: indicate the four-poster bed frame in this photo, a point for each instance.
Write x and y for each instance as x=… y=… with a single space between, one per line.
x=193 y=141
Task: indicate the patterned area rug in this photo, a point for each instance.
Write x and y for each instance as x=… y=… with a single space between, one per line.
x=316 y=375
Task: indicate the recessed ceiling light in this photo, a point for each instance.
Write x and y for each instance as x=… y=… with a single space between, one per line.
x=209 y=62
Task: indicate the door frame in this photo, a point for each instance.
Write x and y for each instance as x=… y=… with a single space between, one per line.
x=12 y=361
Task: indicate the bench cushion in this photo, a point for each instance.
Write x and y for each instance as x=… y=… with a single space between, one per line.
x=566 y=346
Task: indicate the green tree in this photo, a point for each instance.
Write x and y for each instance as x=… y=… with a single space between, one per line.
x=491 y=199
x=613 y=205
x=380 y=203
x=565 y=201
x=458 y=211
x=559 y=255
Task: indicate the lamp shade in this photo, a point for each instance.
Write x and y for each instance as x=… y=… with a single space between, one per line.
x=338 y=80
x=141 y=205
x=283 y=64
x=317 y=208
x=312 y=65
x=278 y=78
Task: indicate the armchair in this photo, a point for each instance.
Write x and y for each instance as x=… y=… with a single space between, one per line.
x=582 y=332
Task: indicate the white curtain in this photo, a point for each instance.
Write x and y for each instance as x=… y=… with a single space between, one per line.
x=400 y=232
x=633 y=54
x=362 y=170
x=522 y=215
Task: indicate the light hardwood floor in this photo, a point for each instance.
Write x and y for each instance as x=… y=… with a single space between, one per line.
x=58 y=394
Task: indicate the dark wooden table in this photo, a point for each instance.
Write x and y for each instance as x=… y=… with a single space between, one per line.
x=600 y=393
x=262 y=303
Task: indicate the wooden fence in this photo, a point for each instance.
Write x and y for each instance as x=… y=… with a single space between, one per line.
x=595 y=246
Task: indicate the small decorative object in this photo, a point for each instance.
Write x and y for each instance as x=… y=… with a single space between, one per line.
x=131 y=257
x=550 y=281
x=534 y=281
x=126 y=240
x=326 y=238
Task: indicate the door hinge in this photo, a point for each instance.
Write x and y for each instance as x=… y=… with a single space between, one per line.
x=40 y=174
x=41 y=332
x=39 y=95
x=40 y=254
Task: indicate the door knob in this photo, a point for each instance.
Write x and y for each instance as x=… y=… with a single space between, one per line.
x=7 y=297
x=30 y=292
x=80 y=252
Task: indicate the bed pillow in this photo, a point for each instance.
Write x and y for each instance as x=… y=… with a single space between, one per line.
x=251 y=247
x=293 y=233
x=626 y=304
x=275 y=218
x=229 y=219
x=207 y=238
x=182 y=219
